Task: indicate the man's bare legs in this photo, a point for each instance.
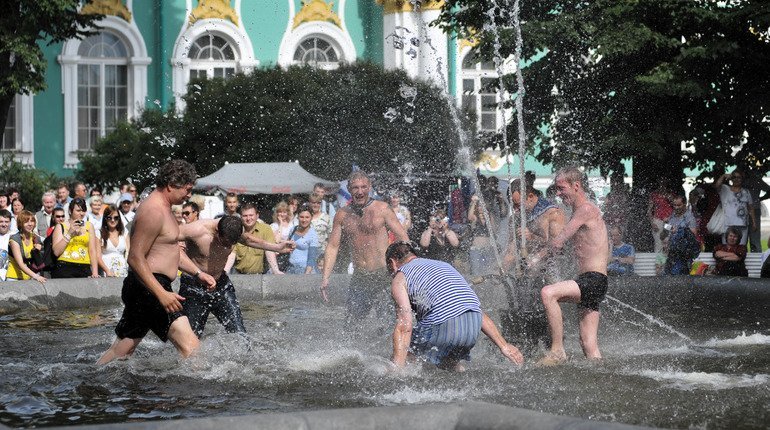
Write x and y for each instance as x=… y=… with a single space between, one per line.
x=565 y=291
x=589 y=333
x=121 y=348
x=180 y=334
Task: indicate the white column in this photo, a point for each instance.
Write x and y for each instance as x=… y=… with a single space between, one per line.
x=411 y=44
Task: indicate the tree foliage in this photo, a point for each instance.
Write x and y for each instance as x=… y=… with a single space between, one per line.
x=24 y=25
x=638 y=78
x=382 y=121
x=29 y=181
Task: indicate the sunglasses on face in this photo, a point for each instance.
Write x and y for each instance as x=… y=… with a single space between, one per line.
x=186 y=213
x=113 y=218
x=58 y=216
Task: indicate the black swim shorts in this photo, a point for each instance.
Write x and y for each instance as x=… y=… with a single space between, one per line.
x=143 y=311
x=593 y=288
x=199 y=302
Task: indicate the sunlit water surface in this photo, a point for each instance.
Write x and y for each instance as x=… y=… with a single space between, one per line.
x=301 y=357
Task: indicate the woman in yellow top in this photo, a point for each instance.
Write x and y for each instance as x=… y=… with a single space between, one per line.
x=76 y=246
x=21 y=245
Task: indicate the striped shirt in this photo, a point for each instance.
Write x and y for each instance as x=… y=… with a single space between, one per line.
x=437 y=292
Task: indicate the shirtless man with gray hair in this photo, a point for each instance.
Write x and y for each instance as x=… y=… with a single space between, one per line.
x=589 y=236
x=365 y=223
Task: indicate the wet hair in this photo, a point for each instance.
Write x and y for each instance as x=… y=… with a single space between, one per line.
x=5 y=213
x=230 y=227
x=23 y=217
x=399 y=251
x=573 y=175
x=105 y=230
x=79 y=202
x=176 y=173
x=358 y=174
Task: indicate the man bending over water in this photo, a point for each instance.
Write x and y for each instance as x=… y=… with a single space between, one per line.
x=448 y=312
x=153 y=259
x=365 y=223
x=205 y=286
x=591 y=247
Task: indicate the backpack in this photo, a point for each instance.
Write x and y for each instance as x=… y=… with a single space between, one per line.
x=49 y=258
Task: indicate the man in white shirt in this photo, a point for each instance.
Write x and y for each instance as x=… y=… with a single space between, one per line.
x=43 y=216
x=326 y=207
x=737 y=204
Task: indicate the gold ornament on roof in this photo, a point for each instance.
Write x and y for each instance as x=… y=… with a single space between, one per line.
x=470 y=41
x=393 y=6
x=106 y=7
x=316 y=10
x=214 y=9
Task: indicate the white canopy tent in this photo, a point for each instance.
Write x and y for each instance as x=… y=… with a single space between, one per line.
x=263 y=178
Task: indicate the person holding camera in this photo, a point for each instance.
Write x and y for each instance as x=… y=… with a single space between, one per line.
x=21 y=247
x=438 y=241
x=76 y=245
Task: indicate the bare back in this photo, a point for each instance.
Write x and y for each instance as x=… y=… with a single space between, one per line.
x=154 y=233
x=204 y=247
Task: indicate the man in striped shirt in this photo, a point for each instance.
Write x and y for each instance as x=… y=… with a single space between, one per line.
x=447 y=310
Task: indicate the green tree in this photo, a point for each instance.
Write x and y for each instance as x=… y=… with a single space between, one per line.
x=638 y=78
x=30 y=182
x=24 y=25
x=327 y=120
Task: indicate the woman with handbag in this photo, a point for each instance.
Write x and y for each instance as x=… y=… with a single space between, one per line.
x=23 y=245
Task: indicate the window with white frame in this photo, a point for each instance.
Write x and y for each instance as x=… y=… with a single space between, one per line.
x=480 y=93
x=317 y=52
x=9 y=134
x=212 y=56
x=102 y=87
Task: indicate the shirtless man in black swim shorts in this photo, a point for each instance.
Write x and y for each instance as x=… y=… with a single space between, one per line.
x=208 y=244
x=591 y=247
x=153 y=259
x=365 y=223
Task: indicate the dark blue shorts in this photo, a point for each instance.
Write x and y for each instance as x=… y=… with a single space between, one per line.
x=222 y=302
x=448 y=342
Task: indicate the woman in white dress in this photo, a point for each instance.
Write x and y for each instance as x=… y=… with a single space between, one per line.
x=114 y=243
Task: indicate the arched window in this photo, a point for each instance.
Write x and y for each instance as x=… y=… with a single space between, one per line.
x=104 y=81
x=102 y=87
x=317 y=52
x=480 y=93
x=212 y=56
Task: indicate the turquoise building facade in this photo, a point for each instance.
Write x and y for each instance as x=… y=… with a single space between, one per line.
x=148 y=50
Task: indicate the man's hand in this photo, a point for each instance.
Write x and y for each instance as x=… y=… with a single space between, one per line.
x=324 y=286
x=286 y=246
x=512 y=353
x=207 y=280
x=171 y=302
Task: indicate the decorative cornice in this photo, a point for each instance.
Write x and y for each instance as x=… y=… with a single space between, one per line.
x=106 y=7
x=470 y=41
x=214 y=9
x=316 y=10
x=395 y=6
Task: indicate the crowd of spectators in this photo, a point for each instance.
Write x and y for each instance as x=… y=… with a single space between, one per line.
x=80 y=233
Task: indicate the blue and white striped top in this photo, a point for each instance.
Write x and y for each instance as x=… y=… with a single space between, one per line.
x=437 y=292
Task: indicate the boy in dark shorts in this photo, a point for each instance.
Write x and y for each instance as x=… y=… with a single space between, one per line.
x=588 y=233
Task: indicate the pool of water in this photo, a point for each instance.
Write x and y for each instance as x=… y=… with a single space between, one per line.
x=300 y=356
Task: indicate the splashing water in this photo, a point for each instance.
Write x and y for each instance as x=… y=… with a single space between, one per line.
x=650 y=318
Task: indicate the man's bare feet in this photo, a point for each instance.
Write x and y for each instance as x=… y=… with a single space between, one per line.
x=552 y=359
